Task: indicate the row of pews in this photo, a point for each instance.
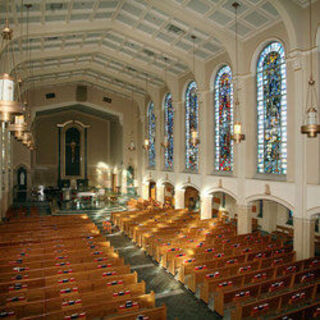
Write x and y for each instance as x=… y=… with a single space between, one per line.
x=61 y=267
x=246 y=276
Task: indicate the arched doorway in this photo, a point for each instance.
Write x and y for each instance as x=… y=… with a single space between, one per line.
x=273 y=217
x=169 y=195
x=223 y=205
x=152 y=190
x=191 y=198
x=22 y=176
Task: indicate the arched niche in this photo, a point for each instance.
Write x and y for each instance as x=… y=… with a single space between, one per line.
x=191 y=198
x=72 y=154
x=273 y=217
x=152 y=190
x=223 y=205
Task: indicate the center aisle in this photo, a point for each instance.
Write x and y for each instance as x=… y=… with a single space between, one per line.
x=181 y=304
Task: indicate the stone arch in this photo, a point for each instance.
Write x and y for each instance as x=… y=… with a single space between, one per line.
x=287 y=18
x=270 y=198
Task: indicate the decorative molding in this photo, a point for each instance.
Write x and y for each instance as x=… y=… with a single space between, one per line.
x=220 y=184
x=267 y=189
x=82 y=125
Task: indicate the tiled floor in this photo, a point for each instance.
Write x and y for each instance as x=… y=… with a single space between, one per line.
x=181 y=304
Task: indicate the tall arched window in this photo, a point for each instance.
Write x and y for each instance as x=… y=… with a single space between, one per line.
x=168 y=131
x=223 y=117
x=191 y=122
x=151 y=135
x=272 y=110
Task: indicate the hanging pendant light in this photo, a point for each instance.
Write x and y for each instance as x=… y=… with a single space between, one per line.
x=18 y=127
x=165 y=143
x=8 y=105
x=311 y=125
x=237 y=135
x=194 y=140
x=132 y=145
x=146 y=145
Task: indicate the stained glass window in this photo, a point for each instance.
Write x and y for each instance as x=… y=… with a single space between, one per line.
x=168 y=131
x=151 y=135
x=272 y=110
x=191 y=122
x=223 y=120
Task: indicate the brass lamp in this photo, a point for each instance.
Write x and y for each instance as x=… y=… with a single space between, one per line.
x=146 y=145
x=18 y=127
x=8 y=105
x=311 y=126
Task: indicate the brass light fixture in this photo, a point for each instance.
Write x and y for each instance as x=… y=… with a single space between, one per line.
x=237 y=135
x=132 y=145
x=165 y=143
x=18 y=127
x=194 y=137
x=8 y=105
x=311 y=125
x=194 y=140
x=146 y=145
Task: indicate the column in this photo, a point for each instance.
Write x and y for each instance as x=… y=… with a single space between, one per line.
x=244 y=219
x=303 y=237
x=178 y=136
x=145 y=190
x=269 y=220
x=85 y=153
x=124 y=182
x=59 y=155
x=160 y=192
x=109 y=182
x=206 y=142
x=206 y=207
x=179 y=198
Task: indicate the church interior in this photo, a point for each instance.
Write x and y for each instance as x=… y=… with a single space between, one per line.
x=160 y=159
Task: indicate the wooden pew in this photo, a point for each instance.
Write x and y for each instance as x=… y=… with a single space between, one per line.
x=273 y=305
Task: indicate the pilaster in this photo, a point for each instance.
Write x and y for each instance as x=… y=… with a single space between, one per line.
x=244 y=219
x=179 y=199
x=206 y=207
x=303 y=238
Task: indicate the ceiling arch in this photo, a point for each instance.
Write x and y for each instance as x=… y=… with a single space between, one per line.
x=147 y=37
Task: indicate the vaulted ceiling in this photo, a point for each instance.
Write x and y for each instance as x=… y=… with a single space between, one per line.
x=125 y=45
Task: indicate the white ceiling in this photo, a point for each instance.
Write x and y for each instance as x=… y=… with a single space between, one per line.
x=124 y=42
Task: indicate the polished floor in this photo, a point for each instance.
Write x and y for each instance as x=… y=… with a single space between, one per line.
x=181 y=304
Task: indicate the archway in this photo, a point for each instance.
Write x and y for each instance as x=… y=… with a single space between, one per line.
x=169 y=195
x=152 y=190
x=223 y=205
x=272 y=217
x=21 y=176
x=191 y=198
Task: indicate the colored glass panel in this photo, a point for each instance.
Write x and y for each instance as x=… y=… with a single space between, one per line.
x=223 y=120
x=191 y=122
x=151 y=136
x=272 y=110
x=168 y=129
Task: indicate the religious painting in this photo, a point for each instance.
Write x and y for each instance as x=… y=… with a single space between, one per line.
x=72 y=152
